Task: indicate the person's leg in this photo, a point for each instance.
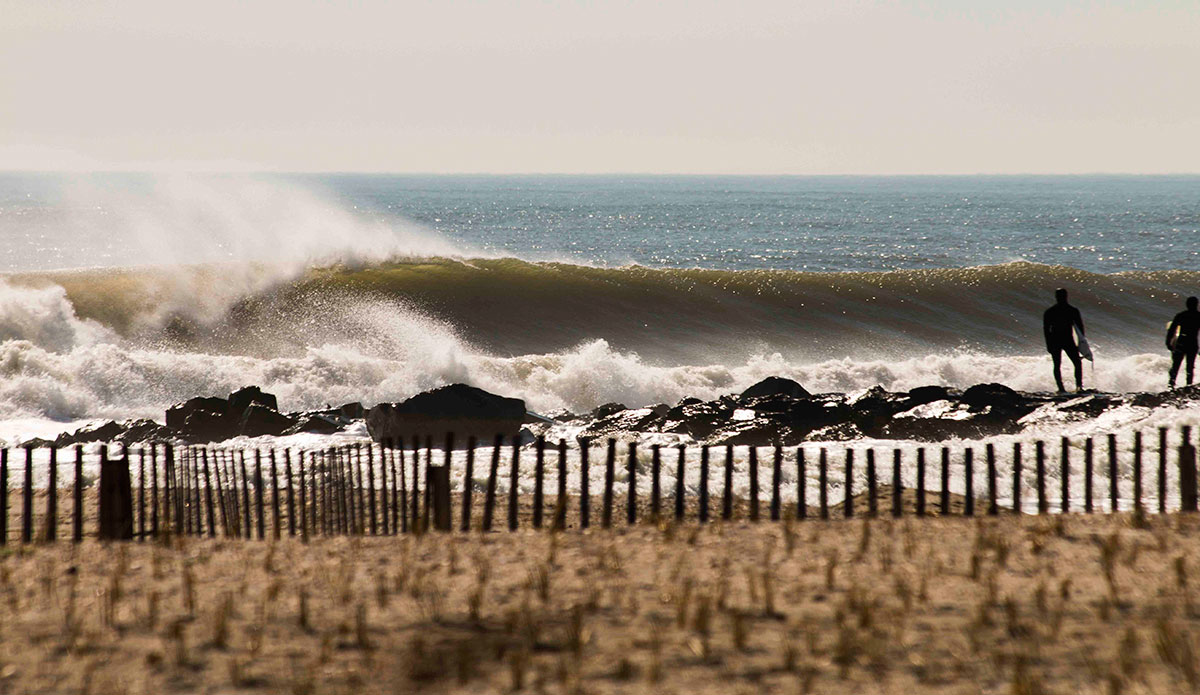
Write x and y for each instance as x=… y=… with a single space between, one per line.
x=1176 y=360
x=1078 y=362
x=1191 y=365
x=1056 y=357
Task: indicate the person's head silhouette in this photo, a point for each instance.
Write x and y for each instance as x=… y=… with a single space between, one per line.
x=1191 y=303
x=1060 y=295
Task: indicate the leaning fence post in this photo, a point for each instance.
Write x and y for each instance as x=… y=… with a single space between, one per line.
x=246 y=517
x=585 y=497
x=993 y=508
x=384 y=497
x=727 y=493
x=141 y=497
x=1187 y=472
x=539 y=472
x=703 y=484
x=208 y=498
x=27 y=507
x=801 y=485
x=1112 y=471
x=631 y=504
x=291 y=493
x=945 y=496
x=1088 y=471
x=468 y=483
x=275 y=506
x=1162 y=470
x=258 y=494
x=489 y=498
x=170 y=480
x=823 y=482
x=303 y=496
x=679 y=506
x=1137 y=473
x=920 y=481
x=655 y=483
x=753 y=466
x=1065 y=486
x=848 y=501
x=609 y=464
x=514 y=477
x=872 y=488
x=1040 y=476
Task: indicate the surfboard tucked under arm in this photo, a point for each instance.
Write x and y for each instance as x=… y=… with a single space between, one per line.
x=1085 y=350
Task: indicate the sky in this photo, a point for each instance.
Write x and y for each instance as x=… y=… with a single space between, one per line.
x=770 y=87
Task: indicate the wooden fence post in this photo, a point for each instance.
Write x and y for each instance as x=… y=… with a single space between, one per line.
x=4 y=496
x=993 y=508
x=585 y=497
x=227 y=522
x=655 y=483
x=385 y=521
x=154 y=491
x=468 y=484
x=776 y=472
x=1016 y=478
x=141 y=497
x=727 y=493
x=801 y=485
x=631 y=503
x=1162 y=470
x=399 y=489
x=300 y=473
x=170 y=483
x=258 y=496
x=27 y=506
x=539 y=472
x=945 y=493
x=823 y=482
x=208 y=498
x=1112 y=472
x=703 y=512
x=609 y=466
x=276 y=528
x=679 y=483
x=116 y=498
x=969 y=480
x=513 y=479
x=291 y=493
x=489 y=498
x=1187 y=472
x=1088 y=471
x=51 y=534
x=247 y=519
x=1137 y=473
x=848 y=501
x=439 y=492
x=415 y=492
x=872 y=486
x=560 y=507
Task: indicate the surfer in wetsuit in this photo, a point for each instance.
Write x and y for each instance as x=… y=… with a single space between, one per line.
x=1059 y=324
x=1182 y=340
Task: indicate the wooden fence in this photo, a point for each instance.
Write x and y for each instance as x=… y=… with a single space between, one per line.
x=394 y=488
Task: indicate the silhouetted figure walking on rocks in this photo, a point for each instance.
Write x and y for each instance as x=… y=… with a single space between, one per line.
x=1182 y=340
x=1059 y=324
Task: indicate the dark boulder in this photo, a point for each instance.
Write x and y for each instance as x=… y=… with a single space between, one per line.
x=138 y=431
x=756 y=432
x=104 y=432
x=246 y=396
x=926 y=394
x=352 y=411
x=178 y=414
x=696 y=418
x=459 y=409
x=775 y=386
x=205 y=426
x=634 y=420
x=259 y=420
x=607 y=409
x=995 y=396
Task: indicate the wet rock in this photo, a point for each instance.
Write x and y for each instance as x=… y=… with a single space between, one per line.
x=178 y=414
x=607 y=409
x=994 y=396
x=205 y=426
x=352 y=411
x=104 y=432
x=246 y=396
x=315 y=424
x=696 y=418
x=927 y=394
x=458 y=408
x=775 y=386
x=259 y=420
x=144 y=431
x=635 y=420
x=756 y=432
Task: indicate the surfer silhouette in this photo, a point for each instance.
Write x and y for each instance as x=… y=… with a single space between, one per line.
x=1059 y=324
x=1182 y=340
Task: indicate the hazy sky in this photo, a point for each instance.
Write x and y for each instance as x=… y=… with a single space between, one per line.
x=795 y=86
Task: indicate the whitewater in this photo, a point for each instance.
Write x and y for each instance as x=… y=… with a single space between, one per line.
x=123 y=295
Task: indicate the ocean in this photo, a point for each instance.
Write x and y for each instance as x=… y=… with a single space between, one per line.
x=121 y=294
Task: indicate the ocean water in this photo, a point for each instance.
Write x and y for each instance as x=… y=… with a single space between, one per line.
x=122 y=294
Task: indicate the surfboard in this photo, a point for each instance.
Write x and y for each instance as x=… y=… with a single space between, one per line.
x=1172 y=337
x=1085 y=350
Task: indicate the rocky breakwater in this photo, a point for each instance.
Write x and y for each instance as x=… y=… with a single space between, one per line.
x=781 y=411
